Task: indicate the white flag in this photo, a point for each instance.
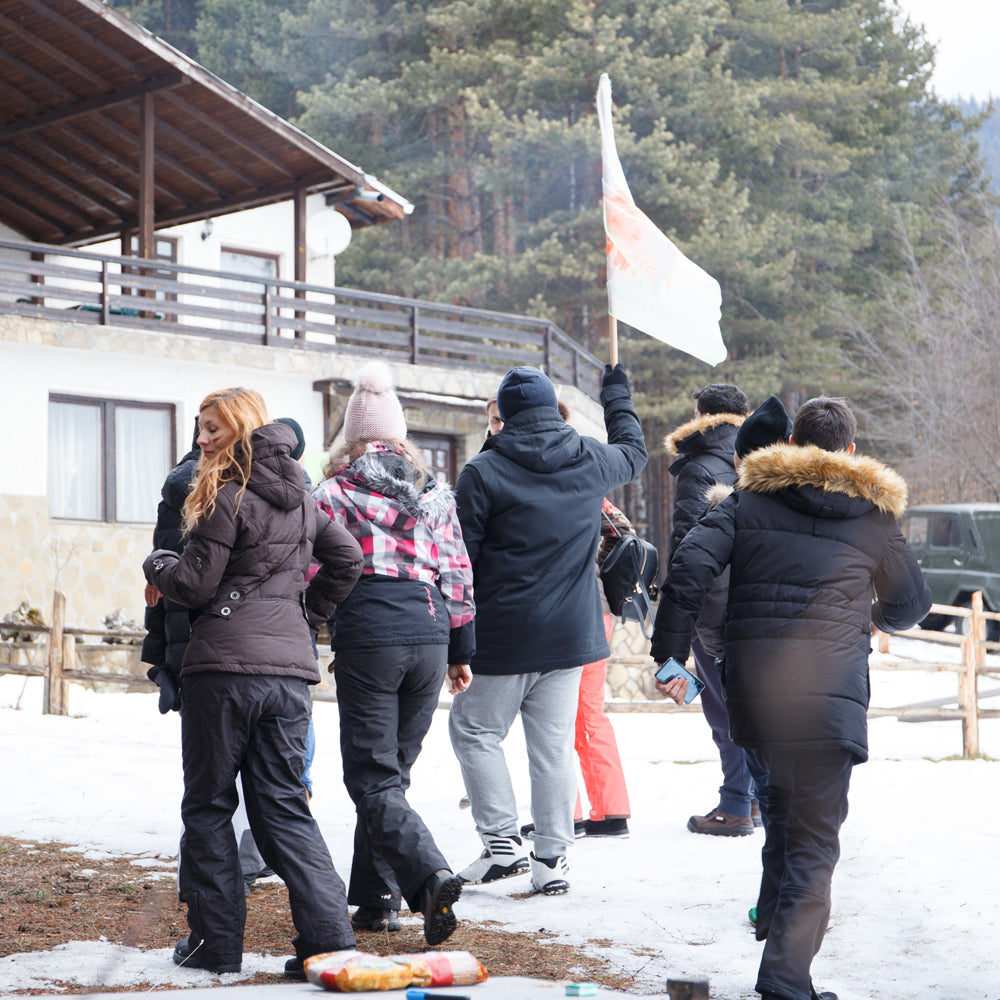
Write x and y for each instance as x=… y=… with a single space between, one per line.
x=652 y=286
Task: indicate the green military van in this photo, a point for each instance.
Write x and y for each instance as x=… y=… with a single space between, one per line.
x=958 y=548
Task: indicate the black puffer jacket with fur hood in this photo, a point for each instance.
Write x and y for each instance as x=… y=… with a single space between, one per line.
x=243 y=569
x=705 y=446
x=811 y=538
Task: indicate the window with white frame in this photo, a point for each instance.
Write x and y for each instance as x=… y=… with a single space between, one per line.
x=259 y=266
x=107 y=458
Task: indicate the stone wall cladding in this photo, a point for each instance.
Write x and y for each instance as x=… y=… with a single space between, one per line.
x=97 y=566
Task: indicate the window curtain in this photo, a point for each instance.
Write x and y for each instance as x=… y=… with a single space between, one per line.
x=75 y=489
x=142 y=461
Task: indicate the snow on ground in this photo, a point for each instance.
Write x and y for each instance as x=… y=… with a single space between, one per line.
x=915 y=893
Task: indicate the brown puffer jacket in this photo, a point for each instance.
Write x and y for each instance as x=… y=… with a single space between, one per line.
x=244 y=569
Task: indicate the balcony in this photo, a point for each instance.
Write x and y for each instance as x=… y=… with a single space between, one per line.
x=50 y=282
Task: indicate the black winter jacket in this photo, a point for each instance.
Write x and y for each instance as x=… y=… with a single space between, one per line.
x=244 y=569
x=168 y=624
x=811 y=538
x=530 y=508
x=706 y=446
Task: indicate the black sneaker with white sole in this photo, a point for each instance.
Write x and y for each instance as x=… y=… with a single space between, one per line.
x=579 y=829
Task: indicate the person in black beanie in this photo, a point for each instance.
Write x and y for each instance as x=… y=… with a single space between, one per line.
x=816 y=557
x=768 y=424
x=705 y=448
x=530 y=508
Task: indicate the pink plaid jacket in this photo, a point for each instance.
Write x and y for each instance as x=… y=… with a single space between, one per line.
x=403 y=532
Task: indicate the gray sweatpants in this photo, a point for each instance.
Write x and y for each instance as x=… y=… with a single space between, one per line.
x=479 y=722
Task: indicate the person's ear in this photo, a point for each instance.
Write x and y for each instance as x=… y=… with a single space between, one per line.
x=791 y=439
x=850 y=448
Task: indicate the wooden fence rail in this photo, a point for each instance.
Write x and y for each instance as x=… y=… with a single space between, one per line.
x=60 y=667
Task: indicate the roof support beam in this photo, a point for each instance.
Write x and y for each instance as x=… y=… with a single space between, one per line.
x=299 y=237
x=77 y=108
x=147 y=131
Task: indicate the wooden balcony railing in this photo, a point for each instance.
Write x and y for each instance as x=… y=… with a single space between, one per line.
x=49 y=282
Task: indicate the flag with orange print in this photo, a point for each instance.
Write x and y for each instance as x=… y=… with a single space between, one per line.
x=652 y=286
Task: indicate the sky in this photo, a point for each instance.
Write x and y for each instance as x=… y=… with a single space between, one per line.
x=915 y=895
x=965 y=33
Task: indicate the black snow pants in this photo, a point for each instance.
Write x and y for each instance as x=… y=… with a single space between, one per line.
x=255 y=727
x=387 y=698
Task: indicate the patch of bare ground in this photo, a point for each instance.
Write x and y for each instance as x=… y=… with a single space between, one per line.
x=51 y=894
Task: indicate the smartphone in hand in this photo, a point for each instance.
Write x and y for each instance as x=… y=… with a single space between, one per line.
x=671 y=669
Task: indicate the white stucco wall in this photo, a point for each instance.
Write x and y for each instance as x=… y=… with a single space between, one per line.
x=268 y=230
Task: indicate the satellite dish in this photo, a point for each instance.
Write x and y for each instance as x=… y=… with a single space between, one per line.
x=328 y=233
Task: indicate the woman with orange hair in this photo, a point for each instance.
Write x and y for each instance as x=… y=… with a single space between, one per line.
x=251 y=532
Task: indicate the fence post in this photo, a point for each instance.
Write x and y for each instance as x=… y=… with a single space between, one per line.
x=55 y=687
x=973 y=650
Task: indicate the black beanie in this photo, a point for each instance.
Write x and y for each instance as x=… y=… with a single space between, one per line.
x=523 y=388
x=768 y=424
x=300 y=438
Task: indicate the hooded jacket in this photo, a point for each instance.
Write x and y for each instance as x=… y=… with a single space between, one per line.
x=530 y=507
x=243 y=568
x=705 y=445
x=811 y=539
x=416 y=584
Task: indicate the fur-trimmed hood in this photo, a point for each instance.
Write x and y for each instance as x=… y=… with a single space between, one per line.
x=801 y=470
x=390 y=475
x=687 y=437
x=716 y=493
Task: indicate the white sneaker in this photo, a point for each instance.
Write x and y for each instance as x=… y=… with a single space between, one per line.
x=550 y=875
x=503 y=857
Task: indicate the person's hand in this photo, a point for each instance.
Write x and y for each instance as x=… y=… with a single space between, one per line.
x=152 y=595
x=170 y=692
x=675 y=688
x=614 y=376
x=459 y=676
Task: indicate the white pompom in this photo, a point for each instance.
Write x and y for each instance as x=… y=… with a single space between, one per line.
x=375 y=376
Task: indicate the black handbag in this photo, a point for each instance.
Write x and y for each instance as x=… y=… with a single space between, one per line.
x=627 y=575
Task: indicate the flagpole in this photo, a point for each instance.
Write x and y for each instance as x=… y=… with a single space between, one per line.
x=613 y=335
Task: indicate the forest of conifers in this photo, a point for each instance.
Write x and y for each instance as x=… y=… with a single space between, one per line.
x=793 y=148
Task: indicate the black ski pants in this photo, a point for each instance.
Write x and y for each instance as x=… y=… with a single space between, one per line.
x=387 y=697
x=254 y=726
x=805 y=805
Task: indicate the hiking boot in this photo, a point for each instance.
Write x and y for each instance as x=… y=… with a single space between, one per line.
x=755 y=815
x=437 y=897
x=549 y=876
x=825 y=995
x=579 y=829
x=193 y=957
x=295 y=968
x=607 y=827
x=371 y=918
x=503 y=857
x=721 y=824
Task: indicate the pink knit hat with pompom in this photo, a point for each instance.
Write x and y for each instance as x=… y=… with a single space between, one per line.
x=374 y=412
